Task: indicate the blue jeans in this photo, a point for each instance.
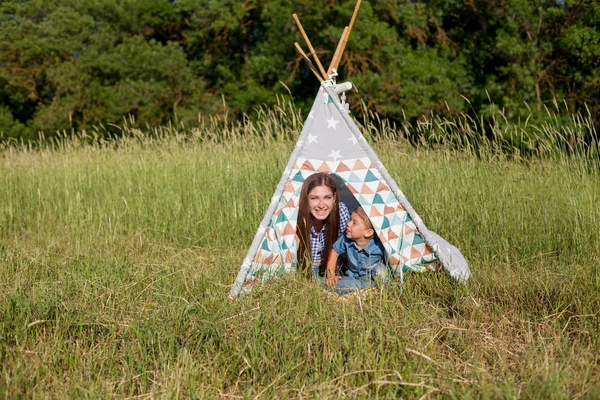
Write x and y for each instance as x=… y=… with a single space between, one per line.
x=348 y=284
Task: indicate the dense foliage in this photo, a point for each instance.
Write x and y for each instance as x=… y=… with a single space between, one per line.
x=74 y=64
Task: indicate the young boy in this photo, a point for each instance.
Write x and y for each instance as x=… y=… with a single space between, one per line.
x=364 y=256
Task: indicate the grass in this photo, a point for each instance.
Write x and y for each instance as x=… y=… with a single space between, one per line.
x=116 y=259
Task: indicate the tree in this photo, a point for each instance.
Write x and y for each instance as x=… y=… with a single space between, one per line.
x=85 y=63
x=76 y=63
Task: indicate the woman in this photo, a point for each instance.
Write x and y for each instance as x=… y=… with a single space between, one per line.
x=321 y=219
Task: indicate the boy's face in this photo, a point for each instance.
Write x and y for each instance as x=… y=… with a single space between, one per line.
x=357 y=229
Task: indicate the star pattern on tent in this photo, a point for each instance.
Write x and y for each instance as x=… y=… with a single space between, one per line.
x=332 y=122
x=300 y=143
x=335 y=154
x=312 y=138
x=311 y=115
x=353 y=140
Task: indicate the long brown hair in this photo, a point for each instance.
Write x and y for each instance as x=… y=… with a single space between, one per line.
x=306 y=220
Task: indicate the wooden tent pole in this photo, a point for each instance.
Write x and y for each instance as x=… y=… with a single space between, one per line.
x=354 y=14
x=311 y=49
x=338 y=51
x=342 y=45
x=310 y=64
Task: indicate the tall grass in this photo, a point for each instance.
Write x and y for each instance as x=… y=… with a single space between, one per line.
x=558 y=135
x=116 y=257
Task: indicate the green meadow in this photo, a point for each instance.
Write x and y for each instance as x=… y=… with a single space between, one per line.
x=117 y=256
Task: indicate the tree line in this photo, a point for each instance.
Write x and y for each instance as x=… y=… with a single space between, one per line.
x=75 y=64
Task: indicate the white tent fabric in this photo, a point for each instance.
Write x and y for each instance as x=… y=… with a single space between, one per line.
x=331 y=142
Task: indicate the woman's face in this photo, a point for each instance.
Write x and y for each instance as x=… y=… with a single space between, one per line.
x=320 y=202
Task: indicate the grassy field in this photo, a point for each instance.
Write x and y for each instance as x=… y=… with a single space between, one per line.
x=116 y=260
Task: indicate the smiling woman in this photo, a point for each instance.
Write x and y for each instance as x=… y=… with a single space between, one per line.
x=321 y=219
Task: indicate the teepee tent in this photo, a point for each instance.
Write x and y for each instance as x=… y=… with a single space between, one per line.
x=331 y=142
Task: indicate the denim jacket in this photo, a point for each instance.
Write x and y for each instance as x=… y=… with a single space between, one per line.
x=361 y=262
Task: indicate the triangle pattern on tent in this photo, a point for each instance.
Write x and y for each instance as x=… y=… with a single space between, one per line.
x=358 y=165
x=370 y=177
x=335 y=145
x=342 y=167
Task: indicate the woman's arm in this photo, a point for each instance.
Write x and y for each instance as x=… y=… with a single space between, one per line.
x=330 y=276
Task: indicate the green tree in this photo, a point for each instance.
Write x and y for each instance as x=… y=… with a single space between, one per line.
x=83 y=63
x=76 y=63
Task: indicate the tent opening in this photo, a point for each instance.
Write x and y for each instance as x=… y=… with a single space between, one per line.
x=345 y=194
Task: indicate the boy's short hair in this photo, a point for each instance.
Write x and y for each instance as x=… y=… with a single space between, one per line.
x=363 y=216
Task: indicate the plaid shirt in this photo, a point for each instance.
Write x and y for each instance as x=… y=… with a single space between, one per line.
x=317 y=242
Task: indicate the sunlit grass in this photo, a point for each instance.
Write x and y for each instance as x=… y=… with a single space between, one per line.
x=116 y=258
